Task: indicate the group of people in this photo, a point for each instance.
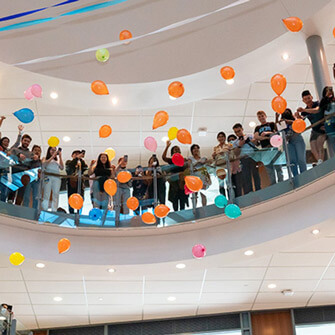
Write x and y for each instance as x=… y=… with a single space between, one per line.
x=240 y=153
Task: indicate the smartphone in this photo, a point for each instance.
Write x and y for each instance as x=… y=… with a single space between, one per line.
x=59 y=149
x=125 y=158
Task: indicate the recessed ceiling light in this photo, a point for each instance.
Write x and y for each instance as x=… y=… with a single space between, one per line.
x=315 y=231
x=272 y=286
x=165 y=139
x=58 y=299
x=171 y=298
x=287 y=293
x=115 y=100
x=66 y=139
x=249 y=253
x=111 y=270
x=252 y=124
x=230 y=81
x=40 y=265
x=202 y=132
x=2 y=318
x=172 y=98
x=181 y=266
x=100 y=299
x=53 y=95
x=285 y=56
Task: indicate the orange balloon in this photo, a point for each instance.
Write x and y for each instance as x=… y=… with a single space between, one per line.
x=279 y=104
x=105 y=131
x=183 y=136
x=278 y=83
x=299 y=126
x=76 y=201
x=227 y=72
x=132 y=203
x=63 y=245
x=334 y=32
x=110 y=187
x=160 y=119
x=193 y=183
x=148 y=218
x=161 y=211
x=99 y=87
x=125 y=35
x=176 y=89
x=124 y=177
x=293 y=24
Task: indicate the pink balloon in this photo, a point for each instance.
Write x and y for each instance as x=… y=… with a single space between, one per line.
x=36 y=90
x=28 y=95
x=187 y=190
x=276 y=141
x=199 y=251
x=150 y=143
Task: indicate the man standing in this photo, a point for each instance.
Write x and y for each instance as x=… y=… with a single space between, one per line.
x=318 y=134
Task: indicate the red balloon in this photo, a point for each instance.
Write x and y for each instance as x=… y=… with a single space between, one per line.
x=178 y=159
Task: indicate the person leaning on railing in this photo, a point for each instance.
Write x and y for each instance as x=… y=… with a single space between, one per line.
x=236 y=170
x=140 y=189
x=123 y=188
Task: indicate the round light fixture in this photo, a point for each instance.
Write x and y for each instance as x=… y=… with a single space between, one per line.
x=165 y=139
x=181 y=266
x=111 y=270
x=100 y=299
x=171 y=298
x=272 y=286
x=285 y=56
x=230 y=81
x=172 y=98
x=58 y=299
x=54 y=95
x=252 y=124
x=249 y=253
x=40 y=265
x=66 y=139
x=315 y=231
x=115 y=100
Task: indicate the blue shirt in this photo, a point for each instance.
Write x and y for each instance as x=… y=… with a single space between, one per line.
x=247 y=149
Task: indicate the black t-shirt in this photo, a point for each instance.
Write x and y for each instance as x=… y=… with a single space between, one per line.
x=269 y=126
x=313 y=118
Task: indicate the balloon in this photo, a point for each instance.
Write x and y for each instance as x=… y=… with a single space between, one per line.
x=183 y=136
x=161 y=211
x=36 y=91
x=102 y=55
x=95 y=214
x=232 y=211
x=172 y=133
x=63 y=245
x=124 y=177
x=105 y=131
x=193 y=183
x=176 y=89
x=199 y=251
x=150 y=144
x=148 y=218
x=24 y=115
x=110 y=153
x=279 y=104
x=25 y=180
x=76 y=201
x=299 y=126
x=278 y=83
x=16 y=258
x=28 y=95
x=132 y=203
x=160 y=119
x=178 y=159
x=99 y=87
x=220 y=201
x=276 y=141
x=227 y=72
x=221 y=174
x=293 y=24
x=125 y=35
x=53 y=141
x=110 y=187
x=187 y=191
x=334 y=32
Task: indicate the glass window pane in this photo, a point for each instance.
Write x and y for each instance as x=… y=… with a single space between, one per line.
x=319 y=329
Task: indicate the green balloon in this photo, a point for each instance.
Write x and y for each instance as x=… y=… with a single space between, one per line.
x=102 y=55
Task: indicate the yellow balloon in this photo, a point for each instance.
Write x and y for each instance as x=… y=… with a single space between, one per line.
x=53 y=141
x=172 y=133
x=110 y=153
x=16 y=258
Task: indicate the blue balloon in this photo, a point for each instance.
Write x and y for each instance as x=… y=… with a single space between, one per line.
x=25 y=115
x=233 y=211
x=221 y=201
x=95 y=214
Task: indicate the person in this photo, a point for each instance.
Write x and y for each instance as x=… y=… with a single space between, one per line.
x=197 y=165
x=176 y=179
x=245 y=146
x=296 y=145
x=318 y=135
x=236 y=170
x=140 y=188
x=52 y=163
x=263 y=133
x=161 y=188
x=73 y=168
x=327 y=108
x=102 y=171
x=32 y=188
x=123 y=188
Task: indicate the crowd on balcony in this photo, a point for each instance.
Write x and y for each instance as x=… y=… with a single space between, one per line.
x=234 y=154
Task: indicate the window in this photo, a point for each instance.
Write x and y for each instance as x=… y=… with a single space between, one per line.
x=316 y=329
